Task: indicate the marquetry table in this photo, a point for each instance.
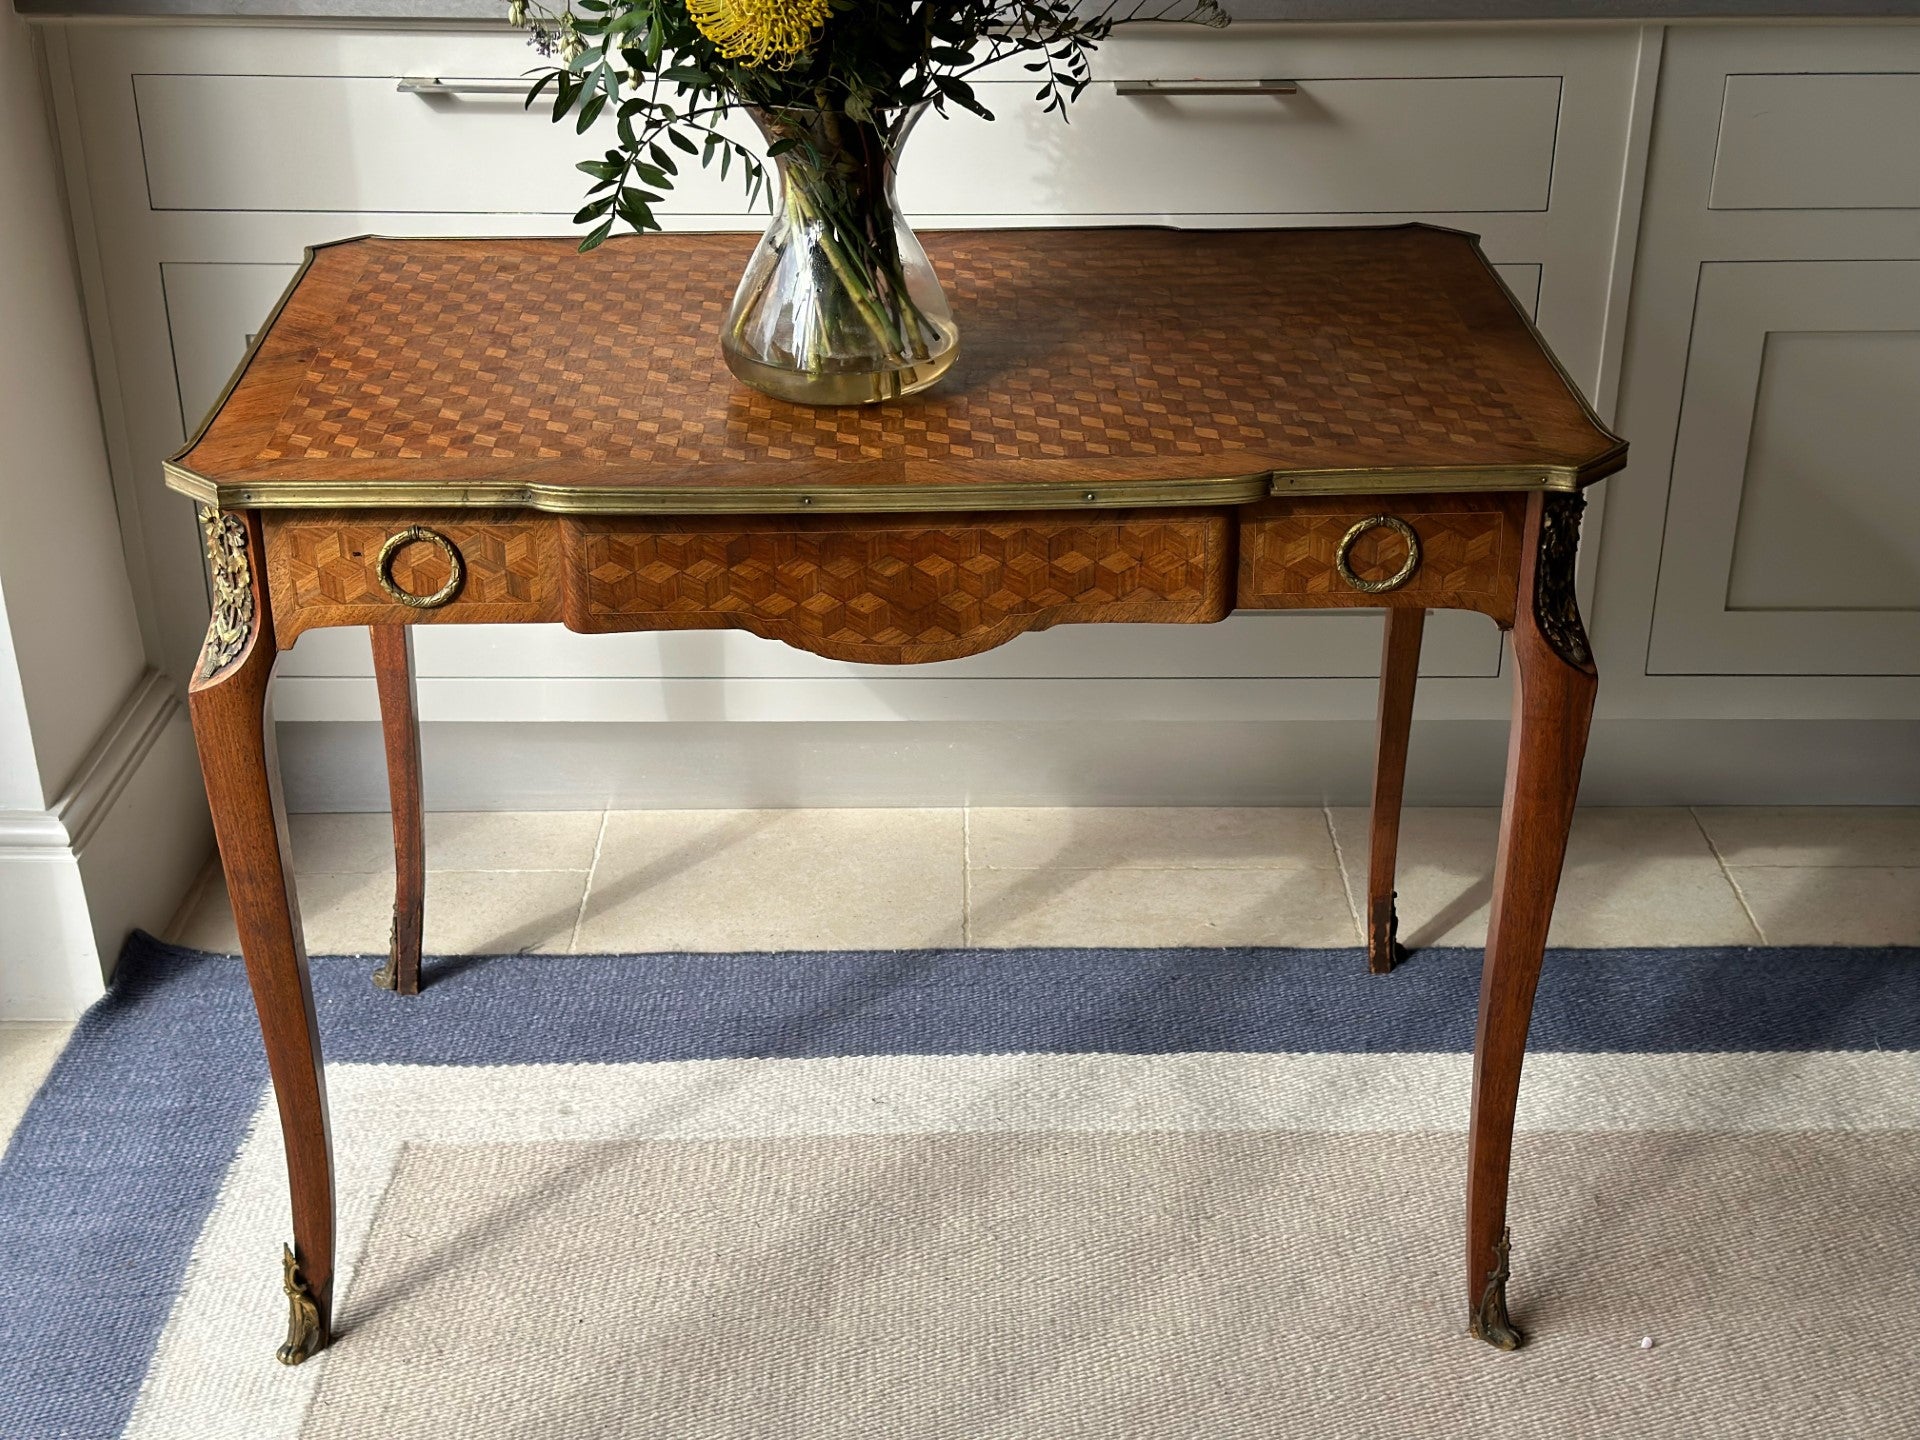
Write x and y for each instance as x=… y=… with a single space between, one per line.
x=1145 y=425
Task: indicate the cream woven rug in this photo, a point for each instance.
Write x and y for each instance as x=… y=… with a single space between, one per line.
x=1236 y=1239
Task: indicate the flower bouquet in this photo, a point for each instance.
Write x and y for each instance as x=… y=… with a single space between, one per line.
x=838 y=304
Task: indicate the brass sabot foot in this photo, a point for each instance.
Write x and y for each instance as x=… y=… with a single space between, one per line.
x=305 y=1335
x=1489 y=1321
x=387 y=977
x=1384 y=950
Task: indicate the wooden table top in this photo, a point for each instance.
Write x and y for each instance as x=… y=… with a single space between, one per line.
x=1113 y=366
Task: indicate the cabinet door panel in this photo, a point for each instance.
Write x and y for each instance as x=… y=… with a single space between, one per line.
x=1827 y=519
x=1818 y=142
x=1792 y=542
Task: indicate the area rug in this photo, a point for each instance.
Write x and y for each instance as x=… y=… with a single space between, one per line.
x=971 y=1194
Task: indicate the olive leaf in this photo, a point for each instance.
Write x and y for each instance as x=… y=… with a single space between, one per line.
x=671 y=85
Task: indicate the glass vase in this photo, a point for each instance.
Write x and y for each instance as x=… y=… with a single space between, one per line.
x=839 y=304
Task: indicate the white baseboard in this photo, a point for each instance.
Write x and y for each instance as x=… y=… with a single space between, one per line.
x=115 y=852
x=49 y=960
x=698 y=765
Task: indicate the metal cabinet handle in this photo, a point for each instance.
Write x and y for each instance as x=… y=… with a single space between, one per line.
x=1207 y=87
x=434 y=85
x=456 y=570
x=1342 y=557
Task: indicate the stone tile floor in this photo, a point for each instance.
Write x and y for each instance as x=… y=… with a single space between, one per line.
x=588 y=882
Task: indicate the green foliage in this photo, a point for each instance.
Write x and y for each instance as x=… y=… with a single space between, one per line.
x=646 y=63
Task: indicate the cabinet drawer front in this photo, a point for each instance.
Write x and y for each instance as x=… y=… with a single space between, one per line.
x=356 y=143
x=1468 y=553
x=1818 y=142
x=894 y=591
x=325 y=570
x=1392 y=145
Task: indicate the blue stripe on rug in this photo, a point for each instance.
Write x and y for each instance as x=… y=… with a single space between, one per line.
x=116 y=1165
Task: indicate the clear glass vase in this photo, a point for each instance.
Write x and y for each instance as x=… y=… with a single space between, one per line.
x=839 y=304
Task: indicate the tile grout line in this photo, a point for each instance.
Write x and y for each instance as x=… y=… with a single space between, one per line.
x=459 y=870
x=1727 y=871
x=586 y=891
x=482 y=870
x=966 y=874
x=1172 y=866
x=1340 y=863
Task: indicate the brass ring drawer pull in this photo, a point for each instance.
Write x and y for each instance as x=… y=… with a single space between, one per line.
x=1393 y=581
x=457 y=570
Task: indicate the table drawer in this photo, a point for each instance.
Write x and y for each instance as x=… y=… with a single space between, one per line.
x=1465 y=553
x=898 y=589
x=326 y=569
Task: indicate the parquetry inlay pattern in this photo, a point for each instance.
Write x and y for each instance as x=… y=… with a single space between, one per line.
x=323 y=570
x=857 y=591
x=1075 y=347
x=1461 y=555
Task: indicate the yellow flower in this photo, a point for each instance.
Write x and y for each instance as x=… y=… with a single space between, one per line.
x=760 y=32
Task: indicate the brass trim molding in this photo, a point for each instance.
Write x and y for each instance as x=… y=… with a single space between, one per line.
x=416 y=534
x=1410 y=480
x=641 y=499
x=1393 y=581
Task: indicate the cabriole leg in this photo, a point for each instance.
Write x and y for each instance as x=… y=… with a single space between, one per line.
x=227 y=701
x=1552 y=708
x=1399 y=673
x=400 y=725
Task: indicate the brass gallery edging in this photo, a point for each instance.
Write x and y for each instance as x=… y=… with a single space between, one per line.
x=733 y=500
x=863 y=499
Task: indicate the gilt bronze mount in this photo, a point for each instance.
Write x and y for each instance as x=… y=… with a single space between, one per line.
x=1556 y=605
x=1489 y=1321
x=387 y=977
x=1384 y=950
x=306 y=1336
x=232 y=590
